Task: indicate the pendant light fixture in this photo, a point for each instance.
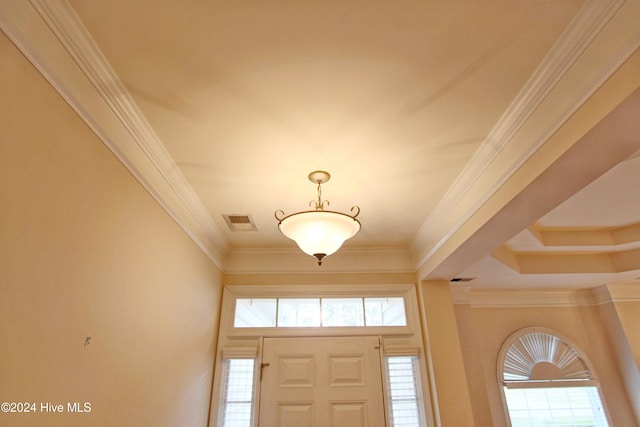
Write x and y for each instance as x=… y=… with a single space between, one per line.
x=318 y=232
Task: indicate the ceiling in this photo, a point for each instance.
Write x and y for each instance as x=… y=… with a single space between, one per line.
x=436 y=118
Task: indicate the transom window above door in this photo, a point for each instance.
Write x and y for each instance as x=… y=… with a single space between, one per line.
x=319 y=312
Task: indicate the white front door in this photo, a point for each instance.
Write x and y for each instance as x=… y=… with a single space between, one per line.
x=321 y=382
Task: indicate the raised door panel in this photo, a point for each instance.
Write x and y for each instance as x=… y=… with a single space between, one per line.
x=321 y=381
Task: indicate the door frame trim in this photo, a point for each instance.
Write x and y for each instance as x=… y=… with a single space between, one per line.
x=229 y=337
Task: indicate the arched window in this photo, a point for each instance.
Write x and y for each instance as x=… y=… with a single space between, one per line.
x=547 y=381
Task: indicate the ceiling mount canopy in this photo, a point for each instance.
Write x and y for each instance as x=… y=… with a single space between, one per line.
x=318 y=232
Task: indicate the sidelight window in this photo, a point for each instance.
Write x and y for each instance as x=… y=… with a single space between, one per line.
x=404 y=391
x=237 y=401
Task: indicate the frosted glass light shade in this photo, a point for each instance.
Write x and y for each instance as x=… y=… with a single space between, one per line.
x=319 y=233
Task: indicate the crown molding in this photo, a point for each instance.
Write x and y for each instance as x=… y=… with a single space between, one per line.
x=582 y=39
x=52 y=37
x=499 y=298
x=621 y=292
x=293 y=261
x=586 y=236
x=566 y=262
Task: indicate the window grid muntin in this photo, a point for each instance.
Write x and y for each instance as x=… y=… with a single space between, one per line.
x=238 y=393
x=558 y=406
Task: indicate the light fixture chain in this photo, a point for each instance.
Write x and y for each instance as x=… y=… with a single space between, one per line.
x=319 y=205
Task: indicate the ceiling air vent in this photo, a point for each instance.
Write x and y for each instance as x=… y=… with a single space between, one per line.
x=238 y=222
x=462 y=279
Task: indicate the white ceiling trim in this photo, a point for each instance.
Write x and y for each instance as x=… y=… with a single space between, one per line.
x=54 y=39
x=622 y=292
x=591 y=236
x=573 y=261
x=575 y=43
x=381 y=260
x=501 y=298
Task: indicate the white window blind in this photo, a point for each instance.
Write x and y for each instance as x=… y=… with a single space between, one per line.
x=406 y=410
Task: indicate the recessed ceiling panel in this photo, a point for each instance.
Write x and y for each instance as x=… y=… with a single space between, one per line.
x=392 y=98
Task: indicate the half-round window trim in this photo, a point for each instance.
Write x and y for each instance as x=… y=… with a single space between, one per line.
x=530 y=360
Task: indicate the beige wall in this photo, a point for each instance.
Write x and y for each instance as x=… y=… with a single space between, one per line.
x=449 y=383
x=620 y=319
x=85 y=251
x=483 y=330
x=628 y=312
